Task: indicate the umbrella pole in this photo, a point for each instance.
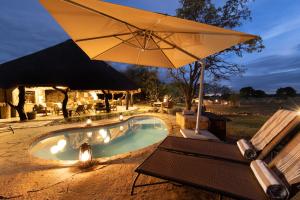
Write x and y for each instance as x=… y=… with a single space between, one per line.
x=200 y=97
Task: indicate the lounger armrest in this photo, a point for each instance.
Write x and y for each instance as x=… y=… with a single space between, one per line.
x=247 y=149
x=270 y=183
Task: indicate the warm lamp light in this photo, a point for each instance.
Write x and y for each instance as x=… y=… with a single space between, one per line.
x=54 y=149
x=85 y=153
x=89 y=134
x=61 y=144
x=88 y=122
x=121 y=117
x=103 y=133
x=121 y=128
x=107 y=139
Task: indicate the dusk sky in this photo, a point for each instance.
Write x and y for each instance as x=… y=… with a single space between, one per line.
x=25 y=27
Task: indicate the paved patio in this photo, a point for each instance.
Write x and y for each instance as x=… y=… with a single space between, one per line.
x=25 y=177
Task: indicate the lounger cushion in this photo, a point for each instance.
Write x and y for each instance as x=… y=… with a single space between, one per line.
x=207 y=148
x=273 y=126
x=288 y=162
x=232 y=179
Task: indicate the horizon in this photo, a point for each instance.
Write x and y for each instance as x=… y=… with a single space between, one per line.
x=281 y=54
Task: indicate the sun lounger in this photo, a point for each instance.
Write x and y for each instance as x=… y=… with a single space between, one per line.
x=226 y=178
x=277 y=128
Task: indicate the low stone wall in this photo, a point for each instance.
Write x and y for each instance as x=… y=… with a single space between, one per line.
x=189 y=121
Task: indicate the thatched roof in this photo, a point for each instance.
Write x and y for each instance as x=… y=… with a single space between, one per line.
x=64 y=64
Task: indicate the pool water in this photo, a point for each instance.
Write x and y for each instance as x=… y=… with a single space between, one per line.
x=128 y=136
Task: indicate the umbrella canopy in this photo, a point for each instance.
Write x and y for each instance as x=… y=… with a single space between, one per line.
x=118 y=33
x=64 y=64
x=111 y=32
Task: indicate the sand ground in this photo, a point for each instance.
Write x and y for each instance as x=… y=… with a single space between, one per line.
x=25 y=177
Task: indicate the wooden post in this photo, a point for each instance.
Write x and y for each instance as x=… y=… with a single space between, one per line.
x=65 y=101
x=112 y=96
x=131 y=99
x=5 y=111
x=127 y=100
x=200 y=99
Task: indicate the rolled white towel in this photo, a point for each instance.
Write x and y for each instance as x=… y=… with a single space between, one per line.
x=269 y=182
x=247 y=149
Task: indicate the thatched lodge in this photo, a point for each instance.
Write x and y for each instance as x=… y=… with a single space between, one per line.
x=62 y=66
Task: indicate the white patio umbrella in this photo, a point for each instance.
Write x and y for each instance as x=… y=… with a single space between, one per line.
x=111 y=32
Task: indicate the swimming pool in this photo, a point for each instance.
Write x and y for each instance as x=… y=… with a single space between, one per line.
x=106 y=141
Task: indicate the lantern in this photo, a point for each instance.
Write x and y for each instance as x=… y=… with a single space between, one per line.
x=121 y=128
x=85 y=153
x=121 y=117
x=88 y=122
x=165 y=99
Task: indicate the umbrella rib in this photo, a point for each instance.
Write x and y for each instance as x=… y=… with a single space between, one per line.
x=175 y=46
x=112 y=48
x=128 y=43
x=163 y=53
x=101 y=37
x=166 y=37
x=133 y=34
x=209 y=33
x=98 y=12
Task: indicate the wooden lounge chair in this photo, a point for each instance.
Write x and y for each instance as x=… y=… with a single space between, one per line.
x=90 y=108
x=100 y=107
x=281 y=125
x=80 y=110
x=219 y=176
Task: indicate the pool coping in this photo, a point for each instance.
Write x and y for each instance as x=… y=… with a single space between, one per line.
x=96 y=124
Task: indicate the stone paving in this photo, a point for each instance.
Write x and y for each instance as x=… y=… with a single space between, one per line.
x=23 y=176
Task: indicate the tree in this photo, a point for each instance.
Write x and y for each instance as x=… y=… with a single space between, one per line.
x=147 y=78
x=20 y=107
x=259 y=93
x=216 y=89
x=65 y=101
x=187 y=80
x=231 y=15
x=106 y=100
x=286 y=92
x=247 y=92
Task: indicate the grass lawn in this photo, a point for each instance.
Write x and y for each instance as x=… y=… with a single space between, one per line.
x=246 y=119
x=241 y=126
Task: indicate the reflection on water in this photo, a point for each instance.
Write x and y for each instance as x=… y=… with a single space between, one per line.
x=105 y=141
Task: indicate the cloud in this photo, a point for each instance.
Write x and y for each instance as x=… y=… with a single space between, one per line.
x=25 y=29
x=297 y=48
x=281 y=28
x=271 y=72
